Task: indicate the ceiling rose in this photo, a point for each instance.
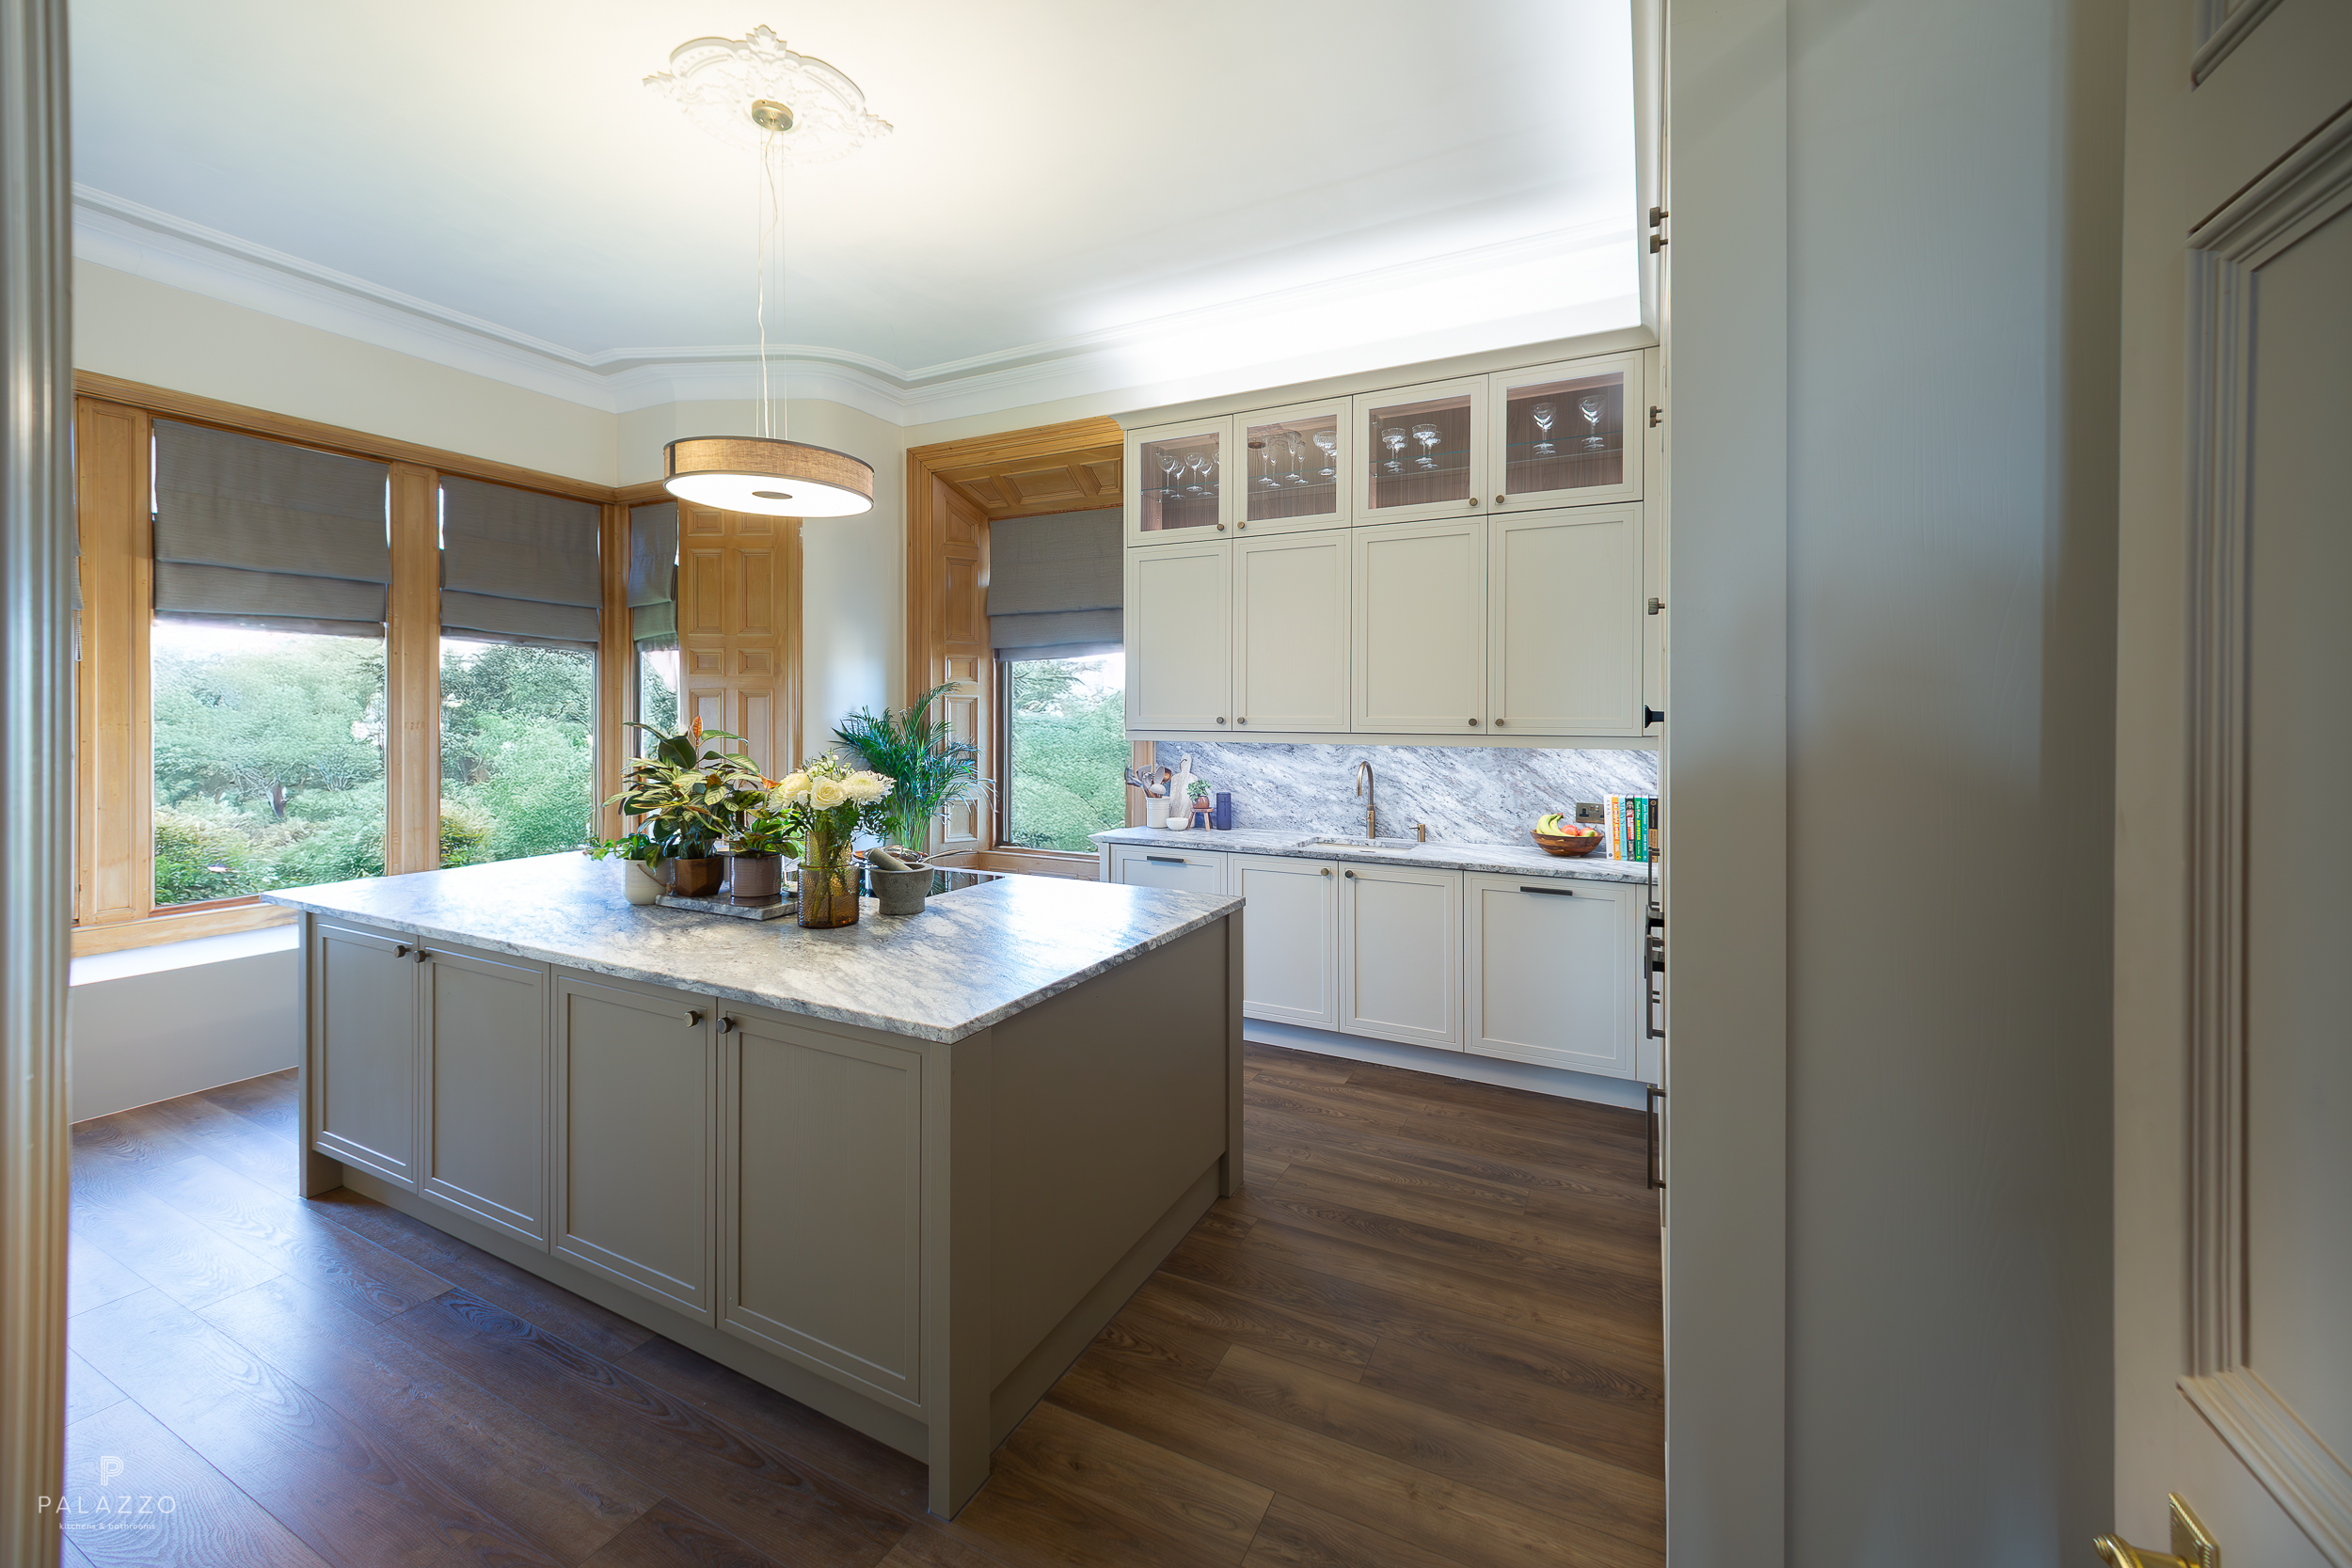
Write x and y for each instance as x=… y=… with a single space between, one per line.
x=717 y=81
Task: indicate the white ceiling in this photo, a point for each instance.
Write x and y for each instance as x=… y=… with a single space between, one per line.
x=1141 y=187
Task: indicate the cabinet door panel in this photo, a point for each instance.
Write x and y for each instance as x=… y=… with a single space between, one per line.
x=1551 y=973
x=1184 y=871
x=1298 y=460
x=1568 y=434
x=822 y=1229
x=1290 y=623
x=1401 y=955
x=1290 y=939
x=1176 y=479
x=484 y=1059
x=1565 y=618
x=1423 y=451
x=635 y=1100
x=1420 y=628
x=1179 y=653
x=364 y=997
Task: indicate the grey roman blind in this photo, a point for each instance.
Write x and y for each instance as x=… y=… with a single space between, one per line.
x=261 y=533
x=517 y=567
x=653 y=573
x=1054 y=585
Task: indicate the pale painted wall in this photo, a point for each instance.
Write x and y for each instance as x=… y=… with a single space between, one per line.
x=148 y=332
x=156 y=1022
x=1895 y=228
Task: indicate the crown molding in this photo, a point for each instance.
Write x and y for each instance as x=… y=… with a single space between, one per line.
x=1247 y=342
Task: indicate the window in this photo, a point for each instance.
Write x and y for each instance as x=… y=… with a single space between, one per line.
x=652 y=615
x=517 y=765
x=1066 y=752
x=269 y=760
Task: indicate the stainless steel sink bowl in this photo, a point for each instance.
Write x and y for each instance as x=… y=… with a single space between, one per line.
x=1390 y=846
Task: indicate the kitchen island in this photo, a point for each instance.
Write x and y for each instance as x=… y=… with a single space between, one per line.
x=902 y=1171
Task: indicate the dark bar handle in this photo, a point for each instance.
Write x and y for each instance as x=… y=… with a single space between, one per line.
x=1168 y=860
x=1651 y=1168
x=1555 y=892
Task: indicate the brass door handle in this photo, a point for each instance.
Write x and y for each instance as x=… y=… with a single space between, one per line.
x=2122 y=1554
x=2193 y=1545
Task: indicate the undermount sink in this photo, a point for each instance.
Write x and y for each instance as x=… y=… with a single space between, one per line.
x=1392 y=845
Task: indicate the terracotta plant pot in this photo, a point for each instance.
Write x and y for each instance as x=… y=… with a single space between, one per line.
x=756 y=878
x=697 y=879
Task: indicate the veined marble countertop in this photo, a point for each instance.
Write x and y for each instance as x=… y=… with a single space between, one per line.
x=973 y=957
x=1501 y=859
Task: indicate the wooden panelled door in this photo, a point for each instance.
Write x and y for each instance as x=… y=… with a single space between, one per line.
x=740 y=629
x=2233 y=1241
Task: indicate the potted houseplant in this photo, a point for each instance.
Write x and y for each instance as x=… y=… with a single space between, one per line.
x=682 y=791
x=822 y=808
x=1201 y=801
x=928 y=767
x=638 y=854
x=756 y=841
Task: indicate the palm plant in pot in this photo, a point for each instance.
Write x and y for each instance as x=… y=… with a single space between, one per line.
x=930 y=768
x=682 y=791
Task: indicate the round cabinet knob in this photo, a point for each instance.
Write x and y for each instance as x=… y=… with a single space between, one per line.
x=1220 y=527
x=1351 y=876
x=1473 y=723
x=1240 y=525
x=1499 y=724
x=1243 y=720
x=1473 y=501
x=422 y=954
x=1220 y=719
x=1327 y=871
x=691 y=1017
x=726 y=1024
x=1498 y=500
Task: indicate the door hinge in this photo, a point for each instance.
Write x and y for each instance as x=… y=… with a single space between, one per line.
x=1656 y=244
x=1656 y=414
x=1657 y=605
x=1657 y=217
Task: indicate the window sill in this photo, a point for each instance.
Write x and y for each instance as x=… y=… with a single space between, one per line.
x=178 y=926
x=1034 y=862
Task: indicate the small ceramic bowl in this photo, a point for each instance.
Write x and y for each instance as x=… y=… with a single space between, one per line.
x=1565 y=844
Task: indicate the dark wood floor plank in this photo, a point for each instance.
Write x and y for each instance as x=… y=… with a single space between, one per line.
x=1625 y=1431
x=573 y=1319
x=349 y=1490
x=1602 y=1368
x=746 y=1484
x=1538 y=1225
x=188 y=1262
x=1350 y=1109
x=287 y=1234
x=1174 y=1351
x=93 y=1279
x=1400 y=1499
x=1077 y=1492
x=1294 y=1535
x=1236 y=1320
x=245 y=1145
x=873 y=1468
x=1617 y=1184
x=670 y=1536
x=1428 y=1097
x=1299 y=1064
x=556 y=1489
x=211 y=1522
x=87 y=1390
x=268 y=1100
x=1578 y=1489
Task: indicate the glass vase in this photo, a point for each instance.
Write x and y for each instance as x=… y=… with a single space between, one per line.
x=828 y=881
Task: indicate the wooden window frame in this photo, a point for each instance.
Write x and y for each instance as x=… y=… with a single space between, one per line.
x=113 y=905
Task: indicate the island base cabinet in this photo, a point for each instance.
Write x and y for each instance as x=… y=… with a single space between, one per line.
x=484 y=1090
x=1401 y=955
x=1551 y=972
x=1290 y=941
x=820 y=1233
x=635 y=1100
x=362 y=1060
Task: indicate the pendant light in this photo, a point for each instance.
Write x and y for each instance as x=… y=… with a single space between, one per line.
x=745 y=91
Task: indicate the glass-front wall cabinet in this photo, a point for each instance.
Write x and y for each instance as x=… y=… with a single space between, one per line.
x=1422 y=454
x=1182 y=487
x=1568 y=434
x=1298 y=460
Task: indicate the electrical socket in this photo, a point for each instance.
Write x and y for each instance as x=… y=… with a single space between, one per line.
x=1591 y=810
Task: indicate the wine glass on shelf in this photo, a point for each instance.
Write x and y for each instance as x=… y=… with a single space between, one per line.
x=1393 y=438
x=1592 y=404
x=1544 y=414
x=1427 y=435
x=1328 y=441
x=1172 y=470
x=1290 y=459
x=1262 y=455
x=1199 y=465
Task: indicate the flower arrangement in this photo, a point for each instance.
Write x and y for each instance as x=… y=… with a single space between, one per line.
x=823 y=804
x=684 y=795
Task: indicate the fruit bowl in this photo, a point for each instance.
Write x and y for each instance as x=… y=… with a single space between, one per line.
x=1565 y=844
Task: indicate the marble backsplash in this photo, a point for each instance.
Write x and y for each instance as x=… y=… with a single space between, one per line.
x=1467 y=794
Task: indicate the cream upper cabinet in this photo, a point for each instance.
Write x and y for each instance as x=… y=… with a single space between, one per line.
x=1400 y=954
x=1177 y=480
x=1290 y=613
x=1178 y=641
x=1289 y=938
x=1566 y=435
x=1420 y=630
x=1551 y=975
x=1565 y=625
x=1421 y=451
x=1293 y=466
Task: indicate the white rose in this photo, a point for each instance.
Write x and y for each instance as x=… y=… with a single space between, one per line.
x=868 y=787
x=794 y=789
x=825 y=794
